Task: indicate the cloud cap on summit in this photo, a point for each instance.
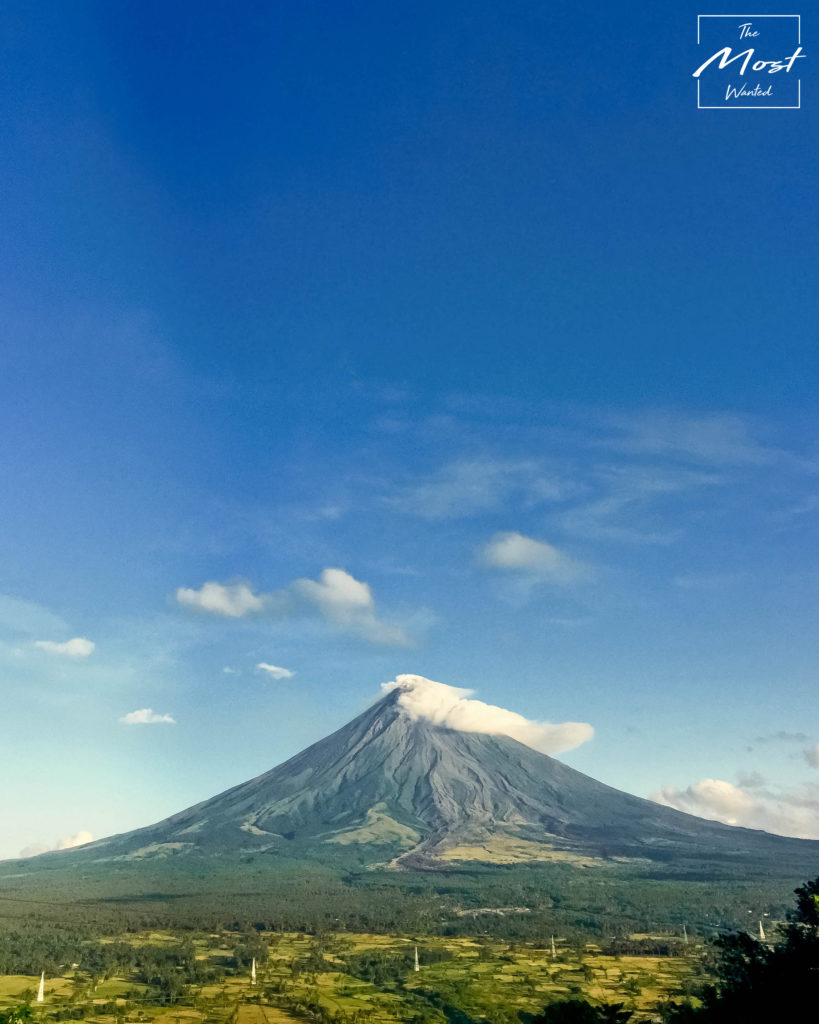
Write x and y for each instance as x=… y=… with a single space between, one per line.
x=453 y=708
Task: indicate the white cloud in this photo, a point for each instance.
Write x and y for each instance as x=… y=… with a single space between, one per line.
x=710 y=798
x=77 y=647
x=275 y=671
x=340 y=599
x=147 y=716
x=348 y=603
x=518 y=553
x=788 y=813
x=66 y=843
x=233 y=600
x=452 y=708
x=812 y=756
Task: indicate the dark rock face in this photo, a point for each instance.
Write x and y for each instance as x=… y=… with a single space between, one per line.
x=416 y=792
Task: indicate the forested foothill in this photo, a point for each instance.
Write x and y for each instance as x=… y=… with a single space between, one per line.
x=514 y=901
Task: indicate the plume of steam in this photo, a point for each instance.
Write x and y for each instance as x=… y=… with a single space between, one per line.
x=454 y=708
x=66 y=843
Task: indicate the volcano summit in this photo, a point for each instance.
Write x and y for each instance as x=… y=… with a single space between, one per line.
x=423 y=778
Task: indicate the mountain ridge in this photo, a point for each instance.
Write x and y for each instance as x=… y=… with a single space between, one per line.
x=410 y=792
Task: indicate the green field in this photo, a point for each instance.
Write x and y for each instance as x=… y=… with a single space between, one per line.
x=345 y=977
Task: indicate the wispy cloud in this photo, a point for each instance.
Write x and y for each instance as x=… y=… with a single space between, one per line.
x=717 y=439
x=782 y=736
x=26 y=618
x=807 y=506
x=77 y=647
x=514 y=552
x=750 y=780
x=147 y=716
x=469 y=487
x=644 y=477
x=626 y=509
x=337 y=596
x=812 y=755
x=275 y=671
x=708 y=580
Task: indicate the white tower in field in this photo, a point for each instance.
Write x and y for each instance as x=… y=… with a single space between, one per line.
x=554 y=951
x=761 y=932
x=41 y=989
x=685 y=935
x=417 y=965
x=253 y=972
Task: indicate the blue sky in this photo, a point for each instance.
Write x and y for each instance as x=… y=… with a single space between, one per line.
x=471 y=307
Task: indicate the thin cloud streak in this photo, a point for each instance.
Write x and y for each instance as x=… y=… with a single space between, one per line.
x=77 y=647
x=470 y=487
x=275 y=671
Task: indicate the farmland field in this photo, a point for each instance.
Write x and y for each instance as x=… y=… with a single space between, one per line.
x=351 y=979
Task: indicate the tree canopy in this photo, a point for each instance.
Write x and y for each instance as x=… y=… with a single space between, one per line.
x=758 y=981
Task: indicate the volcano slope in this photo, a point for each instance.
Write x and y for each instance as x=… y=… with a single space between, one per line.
x=398 y=823
x=394 y=788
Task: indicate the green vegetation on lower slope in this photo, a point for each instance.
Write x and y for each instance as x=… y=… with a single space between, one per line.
x=516 y=901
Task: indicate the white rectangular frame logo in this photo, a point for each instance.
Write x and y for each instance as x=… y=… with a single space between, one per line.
x=753 y=106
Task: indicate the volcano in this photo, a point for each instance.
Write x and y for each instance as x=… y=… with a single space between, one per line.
x=401 y=789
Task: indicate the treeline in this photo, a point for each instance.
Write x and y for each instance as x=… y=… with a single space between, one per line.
x=37 y=945
x=600 y=907
x=382 y=968
x=622 y=946
x=759 y=982
x=462 y=900
x=168 y=969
